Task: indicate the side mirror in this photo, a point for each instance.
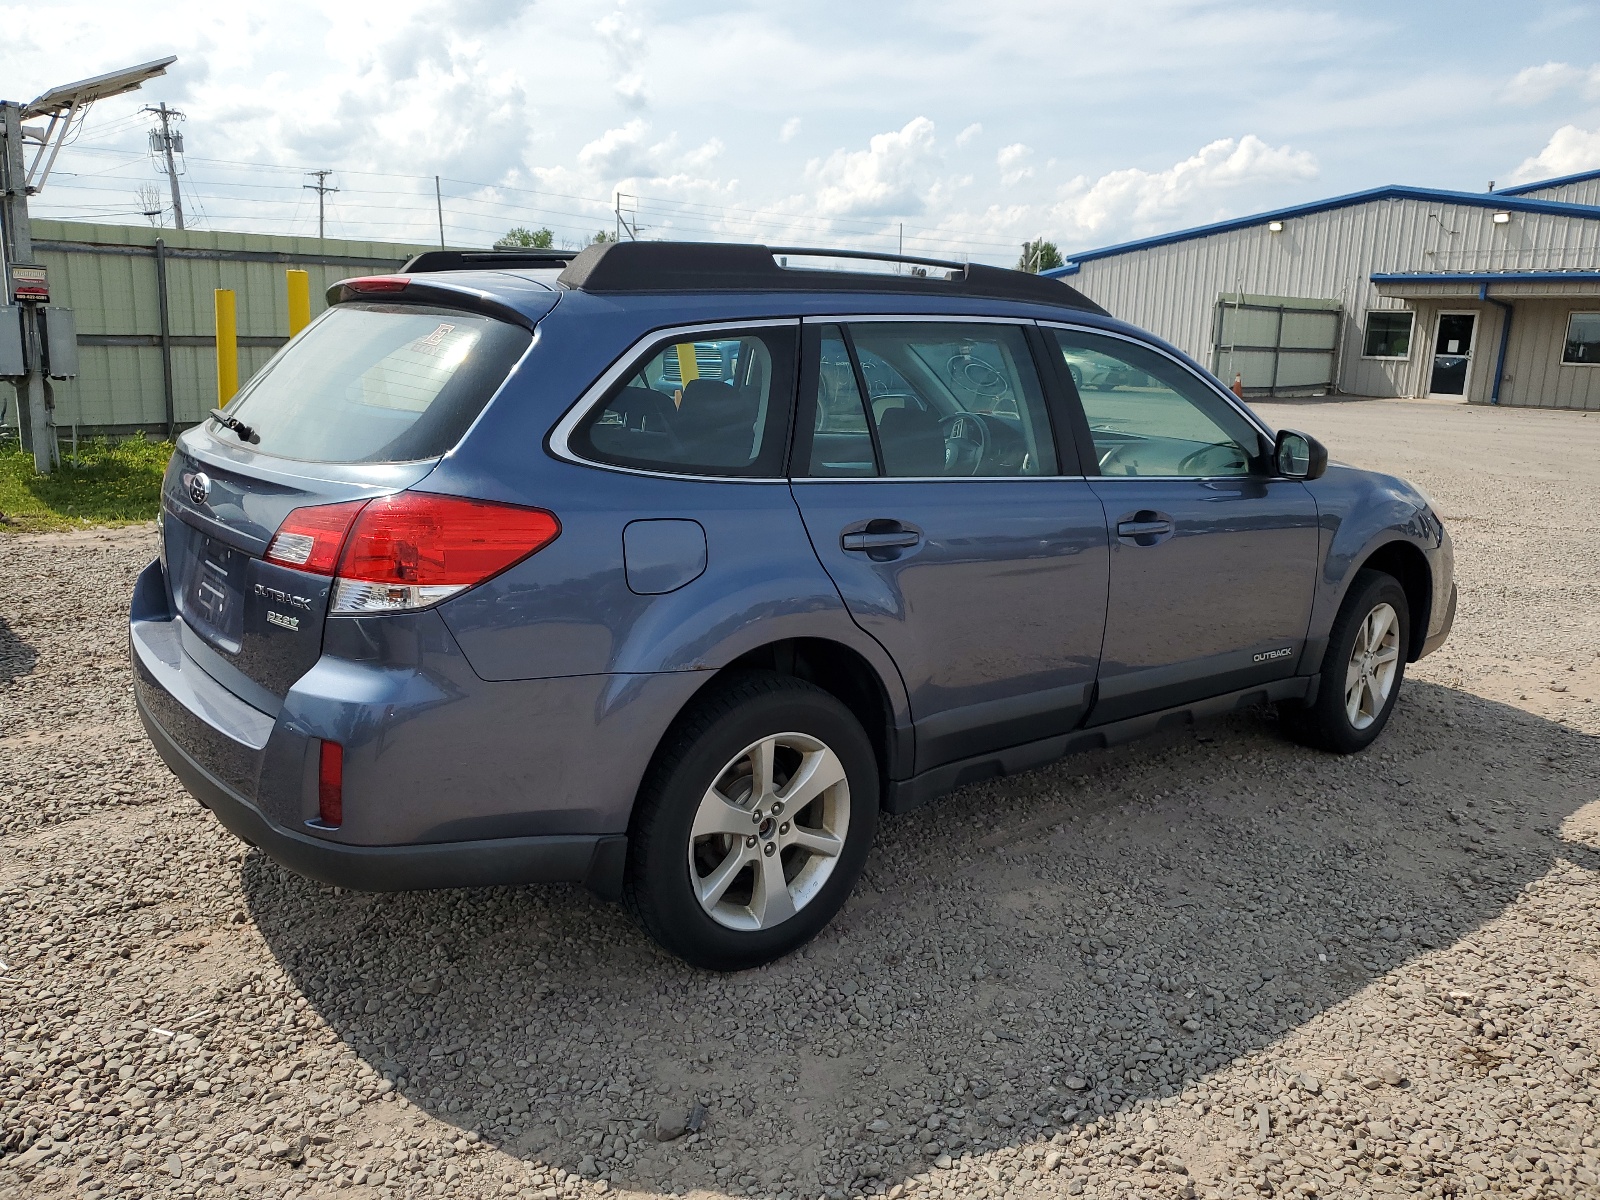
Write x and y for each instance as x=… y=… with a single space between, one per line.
x=1299 y=455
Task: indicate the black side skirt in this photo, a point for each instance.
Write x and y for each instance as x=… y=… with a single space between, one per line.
x=903 y=795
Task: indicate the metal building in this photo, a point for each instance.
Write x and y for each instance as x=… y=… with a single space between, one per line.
x=1490 y=297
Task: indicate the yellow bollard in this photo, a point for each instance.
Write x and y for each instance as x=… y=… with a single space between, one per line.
x=227 y=346
x=299 y=300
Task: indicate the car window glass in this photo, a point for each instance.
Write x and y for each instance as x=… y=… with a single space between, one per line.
x=841 y=444
x=954 y=399
x=709 y=406
x=1149 y=416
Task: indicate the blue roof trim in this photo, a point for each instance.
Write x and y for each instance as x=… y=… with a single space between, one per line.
x=1494 y=200
x=1521 y=189
x=1488 y=277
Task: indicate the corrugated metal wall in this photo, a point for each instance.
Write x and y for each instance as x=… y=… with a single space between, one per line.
x=1172 y=290
x=107 y=275
x=1534 y=372
x=1580 y=191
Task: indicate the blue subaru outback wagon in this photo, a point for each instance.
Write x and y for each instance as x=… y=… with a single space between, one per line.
x=666 y=567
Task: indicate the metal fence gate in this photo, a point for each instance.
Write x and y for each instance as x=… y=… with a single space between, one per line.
x=1279 y=345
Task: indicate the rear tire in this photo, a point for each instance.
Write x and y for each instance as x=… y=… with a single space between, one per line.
x=753 y=823
x=1362 y=670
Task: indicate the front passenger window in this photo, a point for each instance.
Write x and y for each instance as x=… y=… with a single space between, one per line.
x=1150 y=417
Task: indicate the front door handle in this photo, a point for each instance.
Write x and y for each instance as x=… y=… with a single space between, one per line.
x=1145 y=528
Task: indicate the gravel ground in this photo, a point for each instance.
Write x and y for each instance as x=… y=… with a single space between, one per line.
x=1215 y=965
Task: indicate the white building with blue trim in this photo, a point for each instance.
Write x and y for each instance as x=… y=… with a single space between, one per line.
x=1491 y=297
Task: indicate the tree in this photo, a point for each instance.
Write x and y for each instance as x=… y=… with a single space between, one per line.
x=1039 y=255
x=601 y=237
x=521 y=238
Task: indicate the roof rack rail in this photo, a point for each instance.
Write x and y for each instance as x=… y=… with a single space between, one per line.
x=622 y=267
x=485 y=260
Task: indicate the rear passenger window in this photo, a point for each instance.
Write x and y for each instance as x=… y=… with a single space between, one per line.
x=945 y=399
x=714 y=405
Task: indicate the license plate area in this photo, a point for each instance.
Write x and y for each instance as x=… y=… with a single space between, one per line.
x=210 y=588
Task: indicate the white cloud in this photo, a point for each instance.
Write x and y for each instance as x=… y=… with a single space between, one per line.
x=1535 y=85
x=1012 y=161
x=624 y=42
x=1569 y=151
x=968 y=134
x=791 y=127
x=1532 y=85
x=892 y=176
x=1147 y=200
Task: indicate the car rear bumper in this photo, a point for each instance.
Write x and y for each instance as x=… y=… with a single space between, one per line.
x=595 y=860
x=231 y=757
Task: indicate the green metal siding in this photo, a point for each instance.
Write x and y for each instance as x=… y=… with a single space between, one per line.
x=107 y=275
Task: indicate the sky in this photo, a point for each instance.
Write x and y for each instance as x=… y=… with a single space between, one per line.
x=950 y=129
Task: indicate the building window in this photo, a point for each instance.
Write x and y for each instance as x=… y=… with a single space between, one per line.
x=1583 y=340
x=1388 y=335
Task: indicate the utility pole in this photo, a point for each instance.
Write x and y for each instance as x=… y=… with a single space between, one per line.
x=438 y=203
x=166 y=142
x=321 y=188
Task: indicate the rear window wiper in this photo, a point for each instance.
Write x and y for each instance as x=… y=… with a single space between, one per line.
x=246 y=434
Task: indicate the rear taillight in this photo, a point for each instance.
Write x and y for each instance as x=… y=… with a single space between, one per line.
x=408 y=550
x=310 y=538
x=413 y=549
x=330 y=785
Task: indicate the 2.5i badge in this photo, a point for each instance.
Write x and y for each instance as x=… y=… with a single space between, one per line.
x=1269 y=655
x=292 y=624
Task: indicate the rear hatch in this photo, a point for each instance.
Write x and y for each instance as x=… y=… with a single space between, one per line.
x=363 y=403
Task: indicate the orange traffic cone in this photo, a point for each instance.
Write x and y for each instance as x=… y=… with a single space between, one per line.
x=1238 y=385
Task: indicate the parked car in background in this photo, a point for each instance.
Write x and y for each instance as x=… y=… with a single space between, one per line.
x=667 y=568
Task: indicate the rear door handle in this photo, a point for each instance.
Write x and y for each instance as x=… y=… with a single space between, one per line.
x=880 y=541
x=1130 y=529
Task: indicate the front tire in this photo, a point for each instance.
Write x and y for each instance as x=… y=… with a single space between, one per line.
x=753 y=823
x=1362 y=669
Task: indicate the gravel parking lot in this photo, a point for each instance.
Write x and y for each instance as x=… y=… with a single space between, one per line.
x=1213 y=965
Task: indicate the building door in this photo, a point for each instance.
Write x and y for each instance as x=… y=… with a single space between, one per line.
x=1452 y=354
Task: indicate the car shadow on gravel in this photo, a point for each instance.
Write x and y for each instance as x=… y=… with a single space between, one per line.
x=1022 y=955
x=17 y=657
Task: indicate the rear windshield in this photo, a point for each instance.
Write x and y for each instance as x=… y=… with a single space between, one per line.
x=378 y=383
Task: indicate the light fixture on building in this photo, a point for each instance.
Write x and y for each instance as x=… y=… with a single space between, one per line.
x=1274 y=226
x=1502 y=218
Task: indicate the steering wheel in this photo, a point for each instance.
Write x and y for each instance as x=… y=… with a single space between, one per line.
x=966 y=441
x=1191 y=461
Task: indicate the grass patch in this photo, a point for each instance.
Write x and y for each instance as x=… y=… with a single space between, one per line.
x=112 y=483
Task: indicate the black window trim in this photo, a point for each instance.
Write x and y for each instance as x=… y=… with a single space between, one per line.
x=631 y=361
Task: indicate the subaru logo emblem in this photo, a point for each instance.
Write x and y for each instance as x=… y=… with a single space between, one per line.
x=199 y=487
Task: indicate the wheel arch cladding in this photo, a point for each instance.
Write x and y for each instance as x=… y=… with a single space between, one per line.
x=842 y=672
x=1409 y=566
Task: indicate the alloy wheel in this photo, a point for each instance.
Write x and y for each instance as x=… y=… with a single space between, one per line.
x=1374 y=665
x=769 y=831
